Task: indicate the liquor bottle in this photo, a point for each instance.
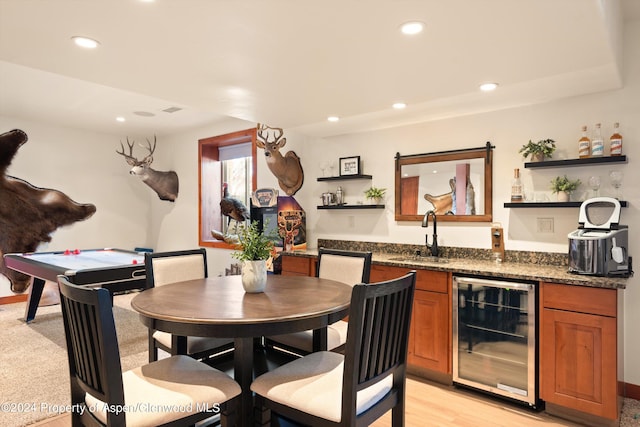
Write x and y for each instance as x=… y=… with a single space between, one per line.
x=584 y=144
x=516 y=187
x=615 y=142
x=597 y=143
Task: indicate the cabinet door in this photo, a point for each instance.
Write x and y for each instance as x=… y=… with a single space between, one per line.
x=430 y=331
x=297 y=266
x=430 y=335
x=578 y=361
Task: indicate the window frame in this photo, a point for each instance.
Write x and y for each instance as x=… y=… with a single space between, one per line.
x=209 y=167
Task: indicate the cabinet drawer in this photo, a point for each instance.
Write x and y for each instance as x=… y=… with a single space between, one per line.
x=436 y=281
x=580 y=299
x=426 y=280
x=292 y=265
x=380 y=273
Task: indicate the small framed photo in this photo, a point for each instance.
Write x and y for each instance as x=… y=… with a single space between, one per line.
x=350 y=165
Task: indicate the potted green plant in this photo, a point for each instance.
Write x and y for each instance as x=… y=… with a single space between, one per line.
x=253 y=251
x=538 y=150
x=375 y=194
x=564 y=187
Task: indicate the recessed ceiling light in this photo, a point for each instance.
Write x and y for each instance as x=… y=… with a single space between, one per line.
x=399 y=105
x=488 y=87
x=333 y=118
x=85 y=42
x=120 y=119
x=413 y=27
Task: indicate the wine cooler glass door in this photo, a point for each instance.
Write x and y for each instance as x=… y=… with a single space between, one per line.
x=494 y=337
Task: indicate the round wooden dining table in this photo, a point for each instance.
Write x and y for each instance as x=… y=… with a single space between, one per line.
x=219 y=307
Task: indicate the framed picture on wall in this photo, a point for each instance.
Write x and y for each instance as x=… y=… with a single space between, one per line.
x=350 y=165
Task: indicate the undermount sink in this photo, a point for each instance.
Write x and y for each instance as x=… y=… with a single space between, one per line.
x=413 y=258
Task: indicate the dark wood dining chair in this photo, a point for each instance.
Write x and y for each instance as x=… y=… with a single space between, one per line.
x=330 y=389
x=163 y=268
x=348 y=267
x=175 y=391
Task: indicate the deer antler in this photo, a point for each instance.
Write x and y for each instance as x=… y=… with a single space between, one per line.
x=129 y=156
x=263 y=133
x=149 y=157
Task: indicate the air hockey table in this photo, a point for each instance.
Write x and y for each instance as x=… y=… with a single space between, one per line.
x=117 y=270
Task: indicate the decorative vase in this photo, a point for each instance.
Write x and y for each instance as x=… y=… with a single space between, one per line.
x=375 y=200
x=537 y=157
x=563 y=196
x=254 y=275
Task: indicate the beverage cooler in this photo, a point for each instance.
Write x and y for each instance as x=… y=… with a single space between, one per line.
x=494 y=337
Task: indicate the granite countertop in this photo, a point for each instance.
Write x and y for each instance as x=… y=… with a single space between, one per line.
x=511 y=270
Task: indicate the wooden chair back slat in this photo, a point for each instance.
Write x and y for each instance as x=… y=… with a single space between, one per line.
x=92 y=346
x=378 y=336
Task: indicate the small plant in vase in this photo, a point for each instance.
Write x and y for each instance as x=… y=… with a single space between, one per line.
x=253 y=250
x=564 y=187
x=375 y=195
x=538 y=150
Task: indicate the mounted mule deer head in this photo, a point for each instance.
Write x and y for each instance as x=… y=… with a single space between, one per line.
x=286 y=168
x=29 y=214
x=165 y=184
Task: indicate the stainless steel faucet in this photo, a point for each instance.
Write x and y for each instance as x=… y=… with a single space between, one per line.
x=433 y=247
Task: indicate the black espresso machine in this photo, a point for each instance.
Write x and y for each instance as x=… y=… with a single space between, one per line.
x=599 y=246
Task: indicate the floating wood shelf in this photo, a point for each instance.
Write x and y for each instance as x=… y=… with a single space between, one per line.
x=551 y=204
x=336 y=207
x=576 y=162
x=344 y=177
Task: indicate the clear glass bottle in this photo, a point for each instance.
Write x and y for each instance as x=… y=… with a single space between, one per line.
x=584 y=144
x=615 y=142
x=517 y=194
x=597 y=143
x=339 y=196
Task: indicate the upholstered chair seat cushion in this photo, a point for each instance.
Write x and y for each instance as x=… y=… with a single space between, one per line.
x=313 y=384
x=336 y=336
x=169 y=389
x=194 y=344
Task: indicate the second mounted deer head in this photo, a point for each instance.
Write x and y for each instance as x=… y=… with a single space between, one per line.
x=286 y=168
x=165 y=184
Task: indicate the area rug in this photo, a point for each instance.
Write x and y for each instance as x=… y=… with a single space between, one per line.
x=630 y=413
x=34 y=373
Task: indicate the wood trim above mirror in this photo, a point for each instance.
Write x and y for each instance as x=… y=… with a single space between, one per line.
x=412 y=185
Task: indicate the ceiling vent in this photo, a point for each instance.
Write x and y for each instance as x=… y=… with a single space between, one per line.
x=172 y=109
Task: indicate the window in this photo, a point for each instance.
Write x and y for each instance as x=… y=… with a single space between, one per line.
x=230 y=159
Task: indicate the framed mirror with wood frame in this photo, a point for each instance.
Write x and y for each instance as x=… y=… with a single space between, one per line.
x=456 y=185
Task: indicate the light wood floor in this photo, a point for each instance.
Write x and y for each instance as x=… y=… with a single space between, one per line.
x=430 y=404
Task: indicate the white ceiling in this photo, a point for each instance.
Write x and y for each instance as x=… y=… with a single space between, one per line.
x=292 y=63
